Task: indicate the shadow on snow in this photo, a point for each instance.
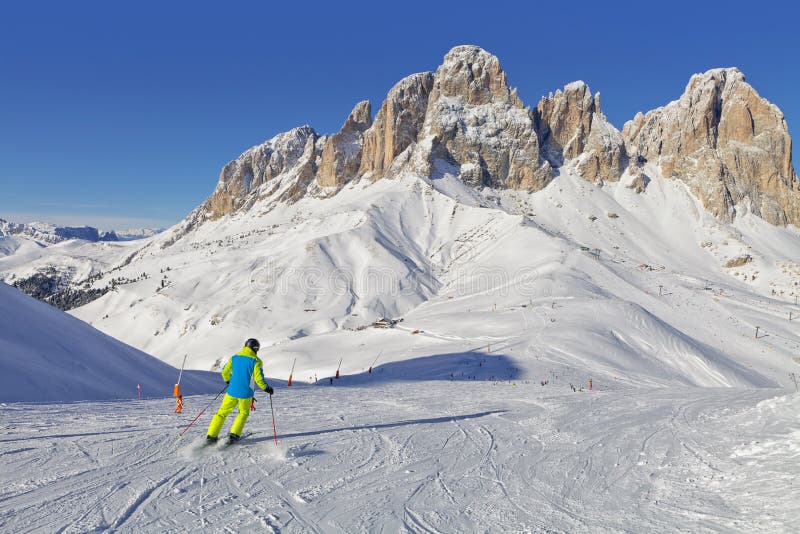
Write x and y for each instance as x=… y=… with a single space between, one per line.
x=377 y=426
x=470 y=365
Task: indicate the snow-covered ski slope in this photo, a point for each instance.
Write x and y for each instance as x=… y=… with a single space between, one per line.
x=618 y=285
x=47 y=355
x=413 y=457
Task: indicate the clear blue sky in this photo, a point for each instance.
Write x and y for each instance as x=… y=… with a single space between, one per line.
x=116 y=114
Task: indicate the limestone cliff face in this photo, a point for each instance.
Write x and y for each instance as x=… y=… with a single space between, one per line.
x=341 y=157
x=397 y=125
x=571 y=125
x=480 y=123
x=730 y=146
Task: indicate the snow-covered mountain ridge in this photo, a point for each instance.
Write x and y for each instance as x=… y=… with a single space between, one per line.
x=47 y=233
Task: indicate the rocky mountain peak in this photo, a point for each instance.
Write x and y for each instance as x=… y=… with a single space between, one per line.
x=246 y=178
x=397 y=125
x=359 y=119
x=341 y=156
x=727 y=143
x=479 y=124
x=571 y=126
x=473 y=74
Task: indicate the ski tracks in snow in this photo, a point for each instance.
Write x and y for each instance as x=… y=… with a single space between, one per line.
x=440 y=457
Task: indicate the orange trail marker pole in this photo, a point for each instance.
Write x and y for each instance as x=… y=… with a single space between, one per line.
x=590 y=384
x=176 y=392
x=340 y=366
x=289 y=383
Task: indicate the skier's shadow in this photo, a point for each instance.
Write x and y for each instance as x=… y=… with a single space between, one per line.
x=430 y=421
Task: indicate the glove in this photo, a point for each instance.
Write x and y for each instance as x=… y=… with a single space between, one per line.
x=227 y=382
x=269 y=390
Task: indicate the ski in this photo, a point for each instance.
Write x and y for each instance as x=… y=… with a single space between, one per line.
x=228 y=442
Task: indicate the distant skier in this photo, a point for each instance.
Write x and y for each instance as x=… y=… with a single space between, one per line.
x=243 y=367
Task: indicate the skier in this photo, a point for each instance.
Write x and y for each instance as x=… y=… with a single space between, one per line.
x=243 y=367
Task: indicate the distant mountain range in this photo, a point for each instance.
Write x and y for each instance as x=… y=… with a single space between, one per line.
x=47 y=233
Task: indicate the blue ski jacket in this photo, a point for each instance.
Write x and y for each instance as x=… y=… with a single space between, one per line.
x=243 y=367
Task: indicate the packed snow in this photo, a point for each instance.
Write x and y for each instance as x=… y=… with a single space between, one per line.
x=413 y=456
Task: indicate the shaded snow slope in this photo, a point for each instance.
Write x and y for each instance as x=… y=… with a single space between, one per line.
x=47 y=355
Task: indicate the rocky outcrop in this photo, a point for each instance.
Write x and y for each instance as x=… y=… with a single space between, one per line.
x=242 y=179
x=571 y=125
x=397 y=125
x=730 y=146
x=482 y=125
x=341 y=157
x=638 y=178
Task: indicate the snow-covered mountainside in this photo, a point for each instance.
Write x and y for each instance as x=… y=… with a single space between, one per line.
x=484 y=225
x=47 y=355
x=534 y=275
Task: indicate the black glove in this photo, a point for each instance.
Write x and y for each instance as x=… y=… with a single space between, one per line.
x=269 y=390
x=227 y=382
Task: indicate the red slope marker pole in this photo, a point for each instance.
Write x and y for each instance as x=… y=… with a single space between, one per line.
x=340 y=366
x=274 y=430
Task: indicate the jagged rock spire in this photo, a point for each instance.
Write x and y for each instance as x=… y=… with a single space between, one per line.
x=727 y=143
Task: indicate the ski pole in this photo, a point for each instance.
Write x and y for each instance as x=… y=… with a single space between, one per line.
x=274 y=430
x=180 y=435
